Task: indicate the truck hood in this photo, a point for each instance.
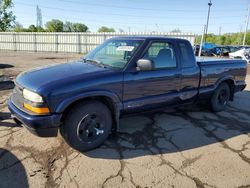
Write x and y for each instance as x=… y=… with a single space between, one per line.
x=41 y=76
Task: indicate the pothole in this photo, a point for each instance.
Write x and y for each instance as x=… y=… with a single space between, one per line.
x=6 y=83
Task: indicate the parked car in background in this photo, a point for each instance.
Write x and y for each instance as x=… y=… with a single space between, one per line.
x=243 y=53
x=220 y=51
x=204 y=52
x=243 y=47
x=233 y=48
x=196 y=49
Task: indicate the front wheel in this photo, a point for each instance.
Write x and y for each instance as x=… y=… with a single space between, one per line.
x=220 y=97
x=87 y=125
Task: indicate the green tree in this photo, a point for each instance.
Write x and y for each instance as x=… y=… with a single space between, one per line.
x=248 y=38
x=226 y=39
x=78 y=27
x=105 y=29
x=121 y=30
x=67 y=26
x=18 y=27
x=54 y=25
x=6 y=16
x=210 y=38
x=177 y=30
x=32 y=28
x=222 y=39
x=74 y=27
x=40 y=29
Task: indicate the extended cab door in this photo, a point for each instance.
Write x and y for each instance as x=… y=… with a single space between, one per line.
x=190 y=72
x=159 y=87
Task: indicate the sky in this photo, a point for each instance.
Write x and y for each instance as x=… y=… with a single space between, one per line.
x=226 y=16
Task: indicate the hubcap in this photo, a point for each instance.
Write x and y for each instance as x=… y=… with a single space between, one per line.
x=90 y=128
x=223 y=97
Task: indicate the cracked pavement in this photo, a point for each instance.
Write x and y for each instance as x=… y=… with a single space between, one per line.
x=183 y=147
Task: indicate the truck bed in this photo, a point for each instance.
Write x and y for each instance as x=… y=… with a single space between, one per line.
x=214 y=70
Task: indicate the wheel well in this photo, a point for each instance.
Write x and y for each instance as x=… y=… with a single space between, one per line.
x=105 y=100
x=231 y=86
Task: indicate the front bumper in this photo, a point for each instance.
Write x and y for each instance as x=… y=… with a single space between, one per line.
x=42 y=125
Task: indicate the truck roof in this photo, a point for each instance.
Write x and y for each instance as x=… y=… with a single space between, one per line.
x=152 y=37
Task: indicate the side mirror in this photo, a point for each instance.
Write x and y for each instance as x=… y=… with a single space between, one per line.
x=144 y=65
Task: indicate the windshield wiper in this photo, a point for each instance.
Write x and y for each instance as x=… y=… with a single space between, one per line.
x=94 y=61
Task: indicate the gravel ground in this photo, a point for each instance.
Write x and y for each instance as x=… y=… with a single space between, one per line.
x=185 y=147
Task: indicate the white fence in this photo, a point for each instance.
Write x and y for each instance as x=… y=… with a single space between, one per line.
x=67 y=42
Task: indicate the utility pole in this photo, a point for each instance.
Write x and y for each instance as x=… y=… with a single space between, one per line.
x=39 y=23
x=202 y=36
x=245 y=34
x=208 y=15
x=220 y=30
x=157 y=27
x=240 y=35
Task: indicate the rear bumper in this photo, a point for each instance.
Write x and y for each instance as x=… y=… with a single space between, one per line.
x=239 y=87
x=43 y=126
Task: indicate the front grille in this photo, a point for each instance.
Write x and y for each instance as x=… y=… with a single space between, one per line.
x=18 y=100
x=17 y=97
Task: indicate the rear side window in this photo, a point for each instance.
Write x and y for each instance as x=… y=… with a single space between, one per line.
x=187 y=55
x=161 y=54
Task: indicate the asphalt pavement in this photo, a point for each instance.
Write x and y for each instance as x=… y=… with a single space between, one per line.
x=184 y=147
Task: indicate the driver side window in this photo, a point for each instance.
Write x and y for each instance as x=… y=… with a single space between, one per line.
x=161 y=54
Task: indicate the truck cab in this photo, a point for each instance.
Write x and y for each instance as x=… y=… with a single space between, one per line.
x=173 y=77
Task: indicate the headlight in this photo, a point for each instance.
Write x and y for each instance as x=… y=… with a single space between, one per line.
x=32 y=96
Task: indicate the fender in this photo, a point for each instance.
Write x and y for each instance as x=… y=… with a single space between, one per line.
x=232 y=90
x=63 y=105
x=208 y=91
x=116 y=101
x=222 y=79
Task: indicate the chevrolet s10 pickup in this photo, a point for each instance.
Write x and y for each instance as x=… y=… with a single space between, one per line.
x=122 y=76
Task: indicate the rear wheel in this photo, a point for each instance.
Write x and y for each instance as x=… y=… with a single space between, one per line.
x=87 y=125
x=220 y=97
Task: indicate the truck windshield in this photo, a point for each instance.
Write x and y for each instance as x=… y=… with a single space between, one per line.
x=114 y=53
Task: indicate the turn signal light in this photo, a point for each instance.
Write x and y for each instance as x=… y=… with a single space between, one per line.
x=38 y=110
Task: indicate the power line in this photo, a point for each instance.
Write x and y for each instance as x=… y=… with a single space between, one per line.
x=126 y=23
x=141 y=8
x=127 y=15
x=127 y=7
x=135 y=8
x=112 y=14
x=94 y=13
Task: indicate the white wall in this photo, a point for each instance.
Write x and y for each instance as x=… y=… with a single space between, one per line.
x=67 y=42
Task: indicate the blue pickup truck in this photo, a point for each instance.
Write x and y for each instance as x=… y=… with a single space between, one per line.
x=122 y=76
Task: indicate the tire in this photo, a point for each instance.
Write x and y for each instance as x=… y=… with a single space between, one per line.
x=220 y=97
x=87 y=125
